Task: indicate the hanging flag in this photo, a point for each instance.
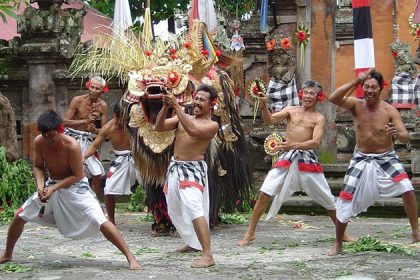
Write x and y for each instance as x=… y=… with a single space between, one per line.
x=203 y=10
x=207 y=14
x=264 y=13
x=122 y=16
x=364 y=56
x=416 y=17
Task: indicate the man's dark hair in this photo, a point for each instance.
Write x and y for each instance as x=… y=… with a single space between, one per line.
x=49 y=120
x=210 y=89
x=378 y=77
x=117 y=110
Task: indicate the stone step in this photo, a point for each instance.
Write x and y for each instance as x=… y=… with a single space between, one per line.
x=339 y=169
x=299 y=204
x=335 y=170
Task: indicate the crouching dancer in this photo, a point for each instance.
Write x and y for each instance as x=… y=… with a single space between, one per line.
x=65 y=200
x=297 y=168
x=375 y=170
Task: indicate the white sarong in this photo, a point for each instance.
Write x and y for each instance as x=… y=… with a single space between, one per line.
x=121 y=175
x=74 y=210
x=92 y=164
x=293 y=173
x=187 y=196
x=370 y=177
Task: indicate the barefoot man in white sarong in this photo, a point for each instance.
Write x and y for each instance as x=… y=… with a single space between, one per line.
x=186 y=187
x=122 y=174
x=375 y=170
x=80 y=121
x=297 y=168
x=65 y=200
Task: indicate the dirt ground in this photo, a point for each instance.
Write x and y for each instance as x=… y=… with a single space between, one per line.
x=289 y=247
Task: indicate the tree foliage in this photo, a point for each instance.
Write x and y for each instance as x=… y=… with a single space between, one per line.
x=233 y=8
x=160 y=10
x=7 y=8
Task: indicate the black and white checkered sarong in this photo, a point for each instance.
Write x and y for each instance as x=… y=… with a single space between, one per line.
x=190 y=173
x=281 y=95
x=307 y=160
x=388 y=163
x=404 y=87
x=417 y=92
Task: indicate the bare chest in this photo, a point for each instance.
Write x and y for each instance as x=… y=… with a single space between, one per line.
x=86 y=108
x=302 y=120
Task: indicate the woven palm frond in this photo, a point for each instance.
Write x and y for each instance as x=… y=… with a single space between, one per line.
x=116 y=54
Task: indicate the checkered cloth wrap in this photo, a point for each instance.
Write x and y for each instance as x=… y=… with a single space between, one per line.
x=388 y=162
x=281 y=95
x=307 y=160
x=403 y=89
x=191 y=174
x=119 y=160
x=78 y=135
x=417 y=92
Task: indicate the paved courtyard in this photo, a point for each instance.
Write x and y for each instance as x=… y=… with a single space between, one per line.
x=289 y=247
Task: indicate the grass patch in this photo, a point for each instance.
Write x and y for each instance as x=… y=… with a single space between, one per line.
x=293 y=244
x=264 y=249
x=6 y=215
x=341 y=273
x=87 y=255
x=142 y=250
x=369 y=243
x=300 y=265
x=234 y=218
x=147 y=218
x=14 y=268
x=145 y=250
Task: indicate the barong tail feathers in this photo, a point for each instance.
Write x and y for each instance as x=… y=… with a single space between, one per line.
x=230 y=166
x=388 y=162
x=307 y=163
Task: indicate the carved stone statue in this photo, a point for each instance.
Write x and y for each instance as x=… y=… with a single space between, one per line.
x=405 y=83
x=282 y=65
x=281 y=90
x=403 y=60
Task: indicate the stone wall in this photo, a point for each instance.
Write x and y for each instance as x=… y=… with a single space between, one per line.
x=34 y=73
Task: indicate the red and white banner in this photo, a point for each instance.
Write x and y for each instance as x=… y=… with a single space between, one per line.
x=364 y=55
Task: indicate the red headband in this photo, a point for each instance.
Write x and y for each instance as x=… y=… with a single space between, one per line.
x=60 y=128
x=321 y=96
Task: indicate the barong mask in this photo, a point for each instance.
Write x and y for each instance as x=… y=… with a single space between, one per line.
x=151 y=69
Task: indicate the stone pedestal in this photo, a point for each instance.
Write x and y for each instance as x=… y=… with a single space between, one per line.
x=415 y=160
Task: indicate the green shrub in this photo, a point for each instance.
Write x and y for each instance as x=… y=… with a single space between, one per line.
x=16 y=185
x=137 y=200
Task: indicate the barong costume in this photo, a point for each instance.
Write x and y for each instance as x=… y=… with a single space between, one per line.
x=74 y=210
x=369 y=177
x=92 y=164
x=187 y=196
x=121 y=175
x=297 y=170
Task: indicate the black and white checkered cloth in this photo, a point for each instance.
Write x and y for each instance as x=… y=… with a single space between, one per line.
x=190 y=173
x=403 y=90
x=307 y=160
x=417 y=92
x=388 y=162
x=281 y=95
